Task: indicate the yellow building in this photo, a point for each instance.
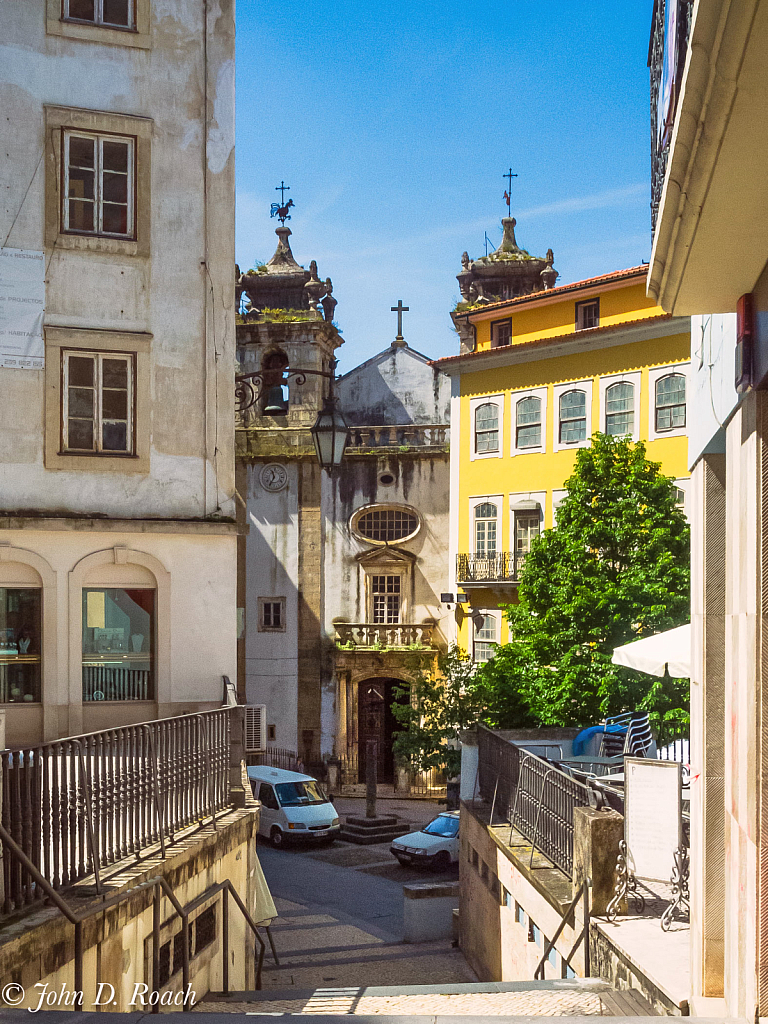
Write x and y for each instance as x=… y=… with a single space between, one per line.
x=537 y=376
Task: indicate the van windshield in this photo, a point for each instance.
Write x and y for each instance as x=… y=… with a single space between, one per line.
x=299 y=794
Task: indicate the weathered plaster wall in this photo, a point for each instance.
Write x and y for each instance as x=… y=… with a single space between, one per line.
x=194 y=574
x=395 y=386
x=179 y=292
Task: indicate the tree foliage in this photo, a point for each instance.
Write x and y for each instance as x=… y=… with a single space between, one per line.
x=614 y=568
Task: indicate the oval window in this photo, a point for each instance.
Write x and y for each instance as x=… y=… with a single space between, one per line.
x=386 y=524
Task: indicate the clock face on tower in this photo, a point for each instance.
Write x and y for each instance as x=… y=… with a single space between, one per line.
x=273 y=477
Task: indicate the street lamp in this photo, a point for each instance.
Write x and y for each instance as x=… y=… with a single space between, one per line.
x=329 y=432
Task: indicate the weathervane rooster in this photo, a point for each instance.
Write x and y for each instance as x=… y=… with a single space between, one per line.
x=280 y=210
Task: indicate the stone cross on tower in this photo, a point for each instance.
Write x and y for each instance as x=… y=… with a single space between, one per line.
x=400 y=309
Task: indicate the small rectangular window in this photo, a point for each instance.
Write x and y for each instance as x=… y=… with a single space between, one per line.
x=272 y=614
x=519 y=914
x=97 y=196
x=98 y=402
x=587 y=314
x=110 y=13
x=501 y=334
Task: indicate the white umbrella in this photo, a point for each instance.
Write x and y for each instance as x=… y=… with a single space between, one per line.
x=669 y=651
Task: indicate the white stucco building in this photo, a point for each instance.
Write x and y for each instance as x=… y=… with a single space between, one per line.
x=341 y=573
x=117 y=540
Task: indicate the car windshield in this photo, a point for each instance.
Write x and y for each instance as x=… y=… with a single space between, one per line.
x=299 y=794
x=442 y=826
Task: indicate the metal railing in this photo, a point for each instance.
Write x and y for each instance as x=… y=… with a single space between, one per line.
x=113 y=682
x=498 y=567
x=160 y=888
x=275 y=757
x=77 y=805
x=411 y=435
x=395 y=634
x=431 y=782
x=535 y=797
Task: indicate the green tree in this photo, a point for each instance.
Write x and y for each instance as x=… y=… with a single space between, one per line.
x=614 y=568
x=434 y=709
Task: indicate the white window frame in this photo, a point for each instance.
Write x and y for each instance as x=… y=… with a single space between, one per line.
x=100 y=138
x=128 y=358
x=476 y=502
x=493 y=614
x=518 y=396
x=559 y=390
x=98 y=18
x=558 y=496
x=633 y=377
x=684 y=483
x=515 y=498
x=474 y=404
x=595 y=299
x=654 y=375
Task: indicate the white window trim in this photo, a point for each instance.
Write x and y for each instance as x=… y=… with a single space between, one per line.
x=474 y=404
x=98 y=418
x=653 y=376
x=558 y=496
x=560 y=389
x=100 y=138
x=538 y=496
x=634 y=377
x=492 y=613
x=493 y=499
x=516 y=397
x=99 y=16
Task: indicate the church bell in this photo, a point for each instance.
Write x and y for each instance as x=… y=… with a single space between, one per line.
x=277 y=404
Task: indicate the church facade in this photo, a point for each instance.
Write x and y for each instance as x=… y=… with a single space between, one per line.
x=340 y=572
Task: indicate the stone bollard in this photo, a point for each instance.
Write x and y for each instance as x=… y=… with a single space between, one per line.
x=236 y=756
x=333 y=775
x=596 y=837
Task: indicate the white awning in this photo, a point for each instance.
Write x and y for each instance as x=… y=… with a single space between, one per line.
x=670 y=650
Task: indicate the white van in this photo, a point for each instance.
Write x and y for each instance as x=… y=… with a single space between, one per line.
x=293 y=806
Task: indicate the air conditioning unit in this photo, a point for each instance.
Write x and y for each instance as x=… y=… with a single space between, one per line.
x=255 y=728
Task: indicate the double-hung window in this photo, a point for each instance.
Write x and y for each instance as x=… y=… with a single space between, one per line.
x=486 y=518
x=670 y=402
x=483 y=648
x=98 y=402
x=573 y=417
x=587 y=314
x=111 y=13
x=620 y=409
x=487 y=428
x=527 y=527
x=98 y=193
x=501 y=334
x=528 y=423
x=386 y=593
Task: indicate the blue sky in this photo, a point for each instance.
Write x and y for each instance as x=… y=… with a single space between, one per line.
x=394 y=124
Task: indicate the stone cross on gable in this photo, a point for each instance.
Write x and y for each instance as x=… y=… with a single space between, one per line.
x=400 y=309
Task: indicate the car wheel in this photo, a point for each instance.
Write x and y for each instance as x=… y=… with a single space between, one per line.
x=441 y=861
x=276 y=836
x=402 y=862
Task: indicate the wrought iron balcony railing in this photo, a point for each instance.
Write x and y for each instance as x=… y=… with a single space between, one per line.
x=375 y=635
x=499 y=567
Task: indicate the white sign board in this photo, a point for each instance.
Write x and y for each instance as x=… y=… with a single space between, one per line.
x=652 y=815
x=22 y=305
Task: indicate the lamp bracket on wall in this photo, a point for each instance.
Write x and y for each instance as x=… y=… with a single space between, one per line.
x=249 y=386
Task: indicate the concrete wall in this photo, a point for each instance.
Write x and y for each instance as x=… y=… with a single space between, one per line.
x=496 y=887
x=38 y=949
x=713 y=397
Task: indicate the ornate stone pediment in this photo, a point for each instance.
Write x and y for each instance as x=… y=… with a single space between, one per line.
x=386 y=556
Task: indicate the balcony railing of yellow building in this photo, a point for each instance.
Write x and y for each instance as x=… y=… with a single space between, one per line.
x=498 y=567
x=374 y=635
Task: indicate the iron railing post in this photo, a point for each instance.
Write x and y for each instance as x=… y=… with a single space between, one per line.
x=85 y=783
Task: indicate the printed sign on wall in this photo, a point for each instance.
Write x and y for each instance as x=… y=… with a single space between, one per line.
x=22 y=305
